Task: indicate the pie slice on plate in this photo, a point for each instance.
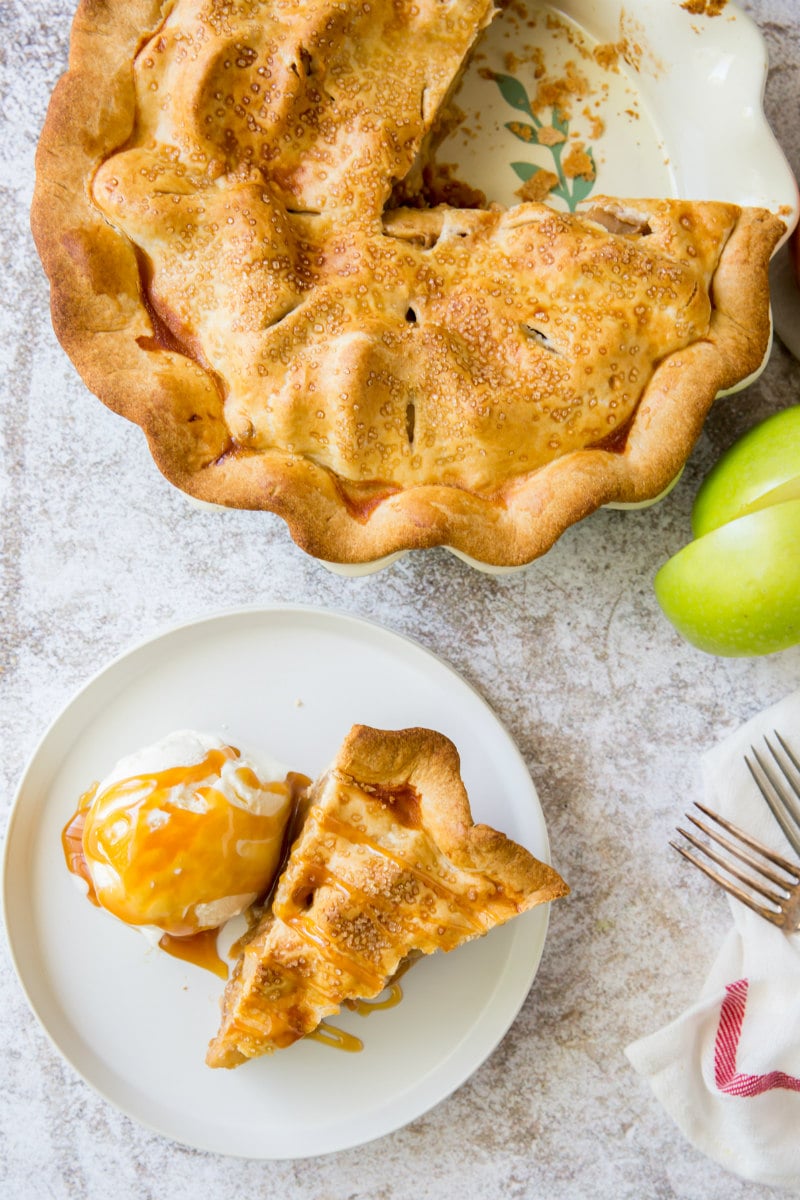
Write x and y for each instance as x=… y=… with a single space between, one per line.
x=244 y=259
x=388 y=864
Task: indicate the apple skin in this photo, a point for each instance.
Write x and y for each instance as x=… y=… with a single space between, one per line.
x=736 y=591
x=761 y=469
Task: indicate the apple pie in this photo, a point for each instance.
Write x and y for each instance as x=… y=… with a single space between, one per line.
x=245 y=261
x=388 y=865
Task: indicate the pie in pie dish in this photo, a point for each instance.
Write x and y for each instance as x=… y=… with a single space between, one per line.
x=388 y=864
x=245 y=259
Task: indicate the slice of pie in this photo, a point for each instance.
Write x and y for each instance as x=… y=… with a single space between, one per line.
x=230 y=207
x=388 y=865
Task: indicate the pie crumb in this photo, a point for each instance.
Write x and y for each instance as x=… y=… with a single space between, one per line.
x=538 y=187
x=597 y=124
x=607 y=55
x=548 y=135
x=704 y=8
x=578 y=163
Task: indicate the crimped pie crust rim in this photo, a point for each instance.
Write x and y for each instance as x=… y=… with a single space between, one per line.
x=88 y=261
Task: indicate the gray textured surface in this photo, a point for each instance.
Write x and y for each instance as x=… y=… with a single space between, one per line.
x=610 y=709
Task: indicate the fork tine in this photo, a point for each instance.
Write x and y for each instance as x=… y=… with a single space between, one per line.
x=766 y=913
x=789 y=754
x=735 y=847
x=791 y=775
x=755 y=885
x=790 y=832
x=754 y=844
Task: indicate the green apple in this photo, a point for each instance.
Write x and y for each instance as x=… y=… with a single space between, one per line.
x=761 y=469
x=736 y=590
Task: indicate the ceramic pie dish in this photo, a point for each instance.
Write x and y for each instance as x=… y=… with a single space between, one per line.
x=253 y=257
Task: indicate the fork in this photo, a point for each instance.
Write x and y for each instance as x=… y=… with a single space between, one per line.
x=782 y=907
x=784 y=807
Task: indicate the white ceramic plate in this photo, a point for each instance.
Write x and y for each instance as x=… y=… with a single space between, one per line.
x=135 y=1022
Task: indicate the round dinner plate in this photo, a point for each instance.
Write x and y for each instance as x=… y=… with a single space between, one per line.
x=135 y=1022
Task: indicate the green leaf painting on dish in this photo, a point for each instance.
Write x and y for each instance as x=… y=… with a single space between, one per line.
x=526 y=170
x=525 y=133
x=581 y=187
x=560 y=123
x=573 y=191
x=514 y=93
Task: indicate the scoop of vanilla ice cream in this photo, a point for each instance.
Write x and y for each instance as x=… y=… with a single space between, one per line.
x=163 y=843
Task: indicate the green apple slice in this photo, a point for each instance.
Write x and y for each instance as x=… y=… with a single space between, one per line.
x=760 y=470
x=736 y=590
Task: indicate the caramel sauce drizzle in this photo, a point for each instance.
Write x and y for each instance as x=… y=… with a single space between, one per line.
x=365 y=1007
x=197 y=948
x=338 y=1039
x=341 y=829
x=311 y=933
x=72 y=843
x=200 y=948
x=404 y=802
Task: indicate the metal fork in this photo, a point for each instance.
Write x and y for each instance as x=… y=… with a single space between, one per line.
x=784 y=806
x=782 y=907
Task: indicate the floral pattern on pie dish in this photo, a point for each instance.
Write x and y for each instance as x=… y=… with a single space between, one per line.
x=631 y=79
x=571 y=185
x=295 y=334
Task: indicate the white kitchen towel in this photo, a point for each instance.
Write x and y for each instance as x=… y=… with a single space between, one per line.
x=728 y=1070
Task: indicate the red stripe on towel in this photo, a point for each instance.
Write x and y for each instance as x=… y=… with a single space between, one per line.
x=729 y=1031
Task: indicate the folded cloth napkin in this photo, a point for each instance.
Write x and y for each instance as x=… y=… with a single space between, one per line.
x=728 y=1070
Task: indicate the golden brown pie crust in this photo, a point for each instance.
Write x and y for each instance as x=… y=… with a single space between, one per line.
x=388 y=864
x=214 y=208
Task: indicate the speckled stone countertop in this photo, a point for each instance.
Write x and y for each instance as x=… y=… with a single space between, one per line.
x=610 y=709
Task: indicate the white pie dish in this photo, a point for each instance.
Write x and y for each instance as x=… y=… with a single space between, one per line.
x=674 y=110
